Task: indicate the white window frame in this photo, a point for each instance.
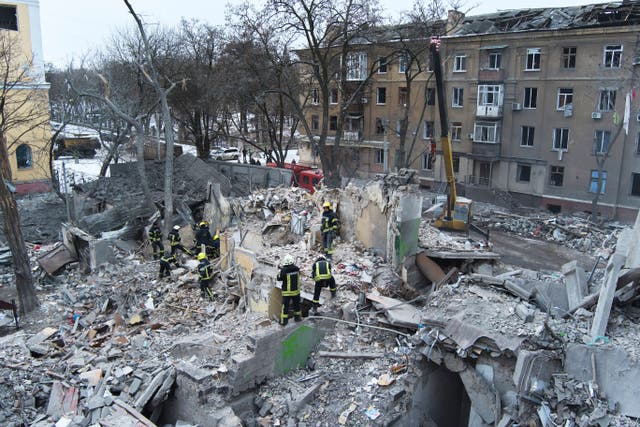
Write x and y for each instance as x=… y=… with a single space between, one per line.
x=533 y=59
x=528 y=130
x=457 y=98
x=460 y=63
x=551 y=173
x=607 y=100
x=612 y=56
x=566 y=95
x=425 y=126
x=532 y=94
x=403 y=63
x=333 y=100
x=601 y=141
x=560 y=139
x=380 y=90
x=381 y=64
x=494 y=61
x=425 y=161
x=486 y=132
x=490 y=95
x=456 y=131
x=566 y=57
x=379 y=156
x=593 y=181
x=356 y=66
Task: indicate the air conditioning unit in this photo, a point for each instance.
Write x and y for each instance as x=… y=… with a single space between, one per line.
x=596 y=115
x=516 y=106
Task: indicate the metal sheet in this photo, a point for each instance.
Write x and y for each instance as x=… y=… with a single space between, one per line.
x=55 y=259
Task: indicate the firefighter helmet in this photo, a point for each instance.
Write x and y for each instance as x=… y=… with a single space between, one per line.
x=203 y=224
x=176 y=227
x=288 y=260
x=202 y=256
x=326 y=205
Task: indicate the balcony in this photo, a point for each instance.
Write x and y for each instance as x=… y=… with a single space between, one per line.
x=351 y=136
x=491 y=75
x=492 y=111
x=489 y=150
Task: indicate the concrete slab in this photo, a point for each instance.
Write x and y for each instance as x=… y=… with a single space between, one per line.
x=481 y=394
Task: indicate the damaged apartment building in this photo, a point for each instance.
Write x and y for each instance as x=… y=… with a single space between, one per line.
x=535 y=98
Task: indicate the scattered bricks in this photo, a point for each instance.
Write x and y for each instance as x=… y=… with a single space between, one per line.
x=134 y=386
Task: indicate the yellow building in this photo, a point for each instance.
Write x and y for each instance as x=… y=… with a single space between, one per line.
x=26 y=102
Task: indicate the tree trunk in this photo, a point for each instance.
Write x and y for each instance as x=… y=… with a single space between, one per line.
x=168 y=163
x=27 y=298
x=139 y=143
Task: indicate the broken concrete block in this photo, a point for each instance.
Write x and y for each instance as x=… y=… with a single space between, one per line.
x=534 y=370
x=92 y=377
x=303 y=399
x=454 y=363
x=576 y=283
x=607 y=292
x=525 y=313
x=481 y=394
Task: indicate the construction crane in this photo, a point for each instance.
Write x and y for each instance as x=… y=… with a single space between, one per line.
x=457 y=211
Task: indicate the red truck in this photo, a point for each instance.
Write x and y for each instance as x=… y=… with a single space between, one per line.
x=303 y=176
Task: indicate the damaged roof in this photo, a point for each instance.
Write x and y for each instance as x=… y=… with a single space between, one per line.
x=588 y=16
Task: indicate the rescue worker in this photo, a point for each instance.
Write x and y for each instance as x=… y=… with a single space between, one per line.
x=321 y=273
x=155 y=237
x=215 y=246
x=329 y=227
x=174 y=241
x=165 y=264
x=289 y=275
x=205 y=273
x=202 y=236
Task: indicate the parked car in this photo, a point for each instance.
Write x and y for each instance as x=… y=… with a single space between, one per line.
x=232 y=153
x=215 y=152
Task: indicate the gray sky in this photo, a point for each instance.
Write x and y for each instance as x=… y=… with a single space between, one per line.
x=73 y=27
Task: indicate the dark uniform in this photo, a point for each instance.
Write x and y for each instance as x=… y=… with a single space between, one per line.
x=329 y=227
x=155 y=237
x=321 y=273
x=176 y=244
x=205 y=273
x=215 y=246
x=289 y=275
x=165 y=264
x=211 y=243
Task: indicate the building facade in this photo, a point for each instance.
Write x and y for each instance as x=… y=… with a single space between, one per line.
x=26 y=123
x=536 y=99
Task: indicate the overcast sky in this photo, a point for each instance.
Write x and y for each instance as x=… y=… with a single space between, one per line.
x=72 y=27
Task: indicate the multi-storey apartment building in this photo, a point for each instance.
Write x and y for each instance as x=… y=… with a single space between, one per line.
x=535 y=97
x=26 y=107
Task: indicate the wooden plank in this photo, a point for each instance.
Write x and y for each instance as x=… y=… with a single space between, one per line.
x=137 y=415
x=605 y=299
x=349 y=355
x=464 y=255
x=445 y=279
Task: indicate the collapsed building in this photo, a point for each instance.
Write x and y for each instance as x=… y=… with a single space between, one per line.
x=428 y=328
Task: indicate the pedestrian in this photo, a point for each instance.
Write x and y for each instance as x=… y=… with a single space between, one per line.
x=329 y=227
x=175 y=243
x=155 y=237
x=244 y=154
x=289 y=275
x=205 y=275
x=165 y=264
x=322 y=277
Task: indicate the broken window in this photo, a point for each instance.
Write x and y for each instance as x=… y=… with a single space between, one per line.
x=635 y=184
x=612 y=56
x=402 y=96
x=495 y=59
x=565 y=98
x=561 y=139
x=523 y=173
x=8 y=18
x=23 y=156
x=428 y=130
x=456 y=131
x=490 y=95
x=333 y=122
x=527 y=136
x=459 y=63
x=456 y=163
x=356 y=66
x=569 y=58
x=458 y=97
x=556 y=176
x=333 y=96
x=530 y=97
x=403 y=63
x=593 y=185
x=382 y=65
x=379 y=154
x=426 y=161
x=315 y=97
x=607 y=101
x=379 y=126
x=430 y=94
x=381 y=95
x=602 y=140
x=533 y=59
x=315 y=122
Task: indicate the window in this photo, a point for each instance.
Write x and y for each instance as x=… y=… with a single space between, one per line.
x=527 y=135
x=379 y=154
x=456 y=131
x=456 y=163
x=533 y=59
x=315 y=122
x=427 y=161
x=523 y=173
x=486 y=132
x=356 y=66
x=427 y=133
x=556 y=176
x=381 y=95
x=333 y=96
x=607 y=101
x=490 y=95
x=430 y=94
x=402 y=96
x=333 y=122
x=8 y=18
x=315 y=96
x=495 y=58
x=460 y=63
x=382 y=65
x=612 y=56
x=569 y=58
x=638 y=144
x=602 y=140
x=593 y=184
x=530 y=97
x=403 y=63
x=458 y=97
x=379 y=126
x=565 y=98
x=23 y=156
x=560 y=139
x=635 y=184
